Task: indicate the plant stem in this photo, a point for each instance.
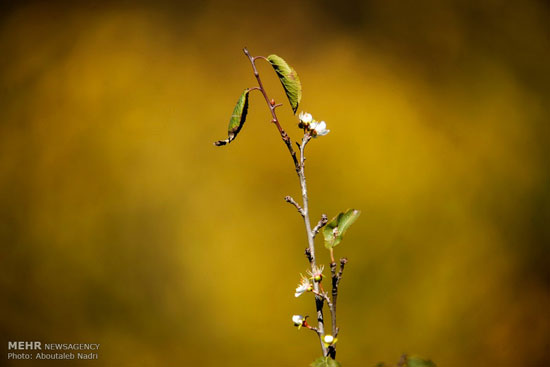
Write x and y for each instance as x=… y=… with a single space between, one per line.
x=272 y=108
x=336 y=277
x=311 y=242
x=300 y=170
x=322 y=222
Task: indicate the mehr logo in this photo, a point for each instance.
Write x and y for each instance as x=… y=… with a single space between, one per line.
x=25 y=345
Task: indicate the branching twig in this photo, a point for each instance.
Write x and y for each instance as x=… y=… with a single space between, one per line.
x=325 y=296
x=311 y=128
x=272 y=107
x=313 y=328
x=304 y=211
x=310 y=237
x=322 y=222
x=290 y=200
x=343 y=262
x=336 y=277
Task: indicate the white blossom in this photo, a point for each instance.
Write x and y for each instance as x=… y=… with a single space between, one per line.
x=319 y=128
x=329 y=340
x=298 y=320
x=304 y=286
x=305 y=118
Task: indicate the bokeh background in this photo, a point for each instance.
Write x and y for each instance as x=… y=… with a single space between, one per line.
x=121 y=223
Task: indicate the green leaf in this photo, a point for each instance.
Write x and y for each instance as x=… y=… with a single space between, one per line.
x=419 y=362
x=289 y=79
x=237 y=119
x=325 y=362
x=334 y=231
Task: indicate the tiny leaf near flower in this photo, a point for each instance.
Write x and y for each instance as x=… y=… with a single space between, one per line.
x=325 y=362
x=334 y=231
x=289 y=79
x=237 y=119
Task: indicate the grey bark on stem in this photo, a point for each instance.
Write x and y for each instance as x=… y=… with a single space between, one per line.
x=303 y=210
x=311 y=242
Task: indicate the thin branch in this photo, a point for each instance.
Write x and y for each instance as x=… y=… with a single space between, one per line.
x=343 y=262
x=313 y=328
x=325 y=296
x=259 y=57
x=275 y=120
x=336 y=277
x=299 y=167
x=332 y=351
x=319 y=300
x=290 y=200
x=332 y=306
x=322 y=222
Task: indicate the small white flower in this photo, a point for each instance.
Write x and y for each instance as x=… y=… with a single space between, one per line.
x=329 y=340
x=298 y=320
x=305 y=117
x=304 y=286
x=317 y=273
x=319 y=128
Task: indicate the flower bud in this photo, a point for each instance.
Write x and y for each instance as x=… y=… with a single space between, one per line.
x=316 y=274
x=329 y=340
x=299 y=321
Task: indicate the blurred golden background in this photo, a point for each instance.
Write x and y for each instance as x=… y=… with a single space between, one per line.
x=122 y=224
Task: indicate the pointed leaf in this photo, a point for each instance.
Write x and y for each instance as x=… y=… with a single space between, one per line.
x=325 y=362
x=348 y=219
x=237 y=119
x=334 y=231
x=289 y=79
